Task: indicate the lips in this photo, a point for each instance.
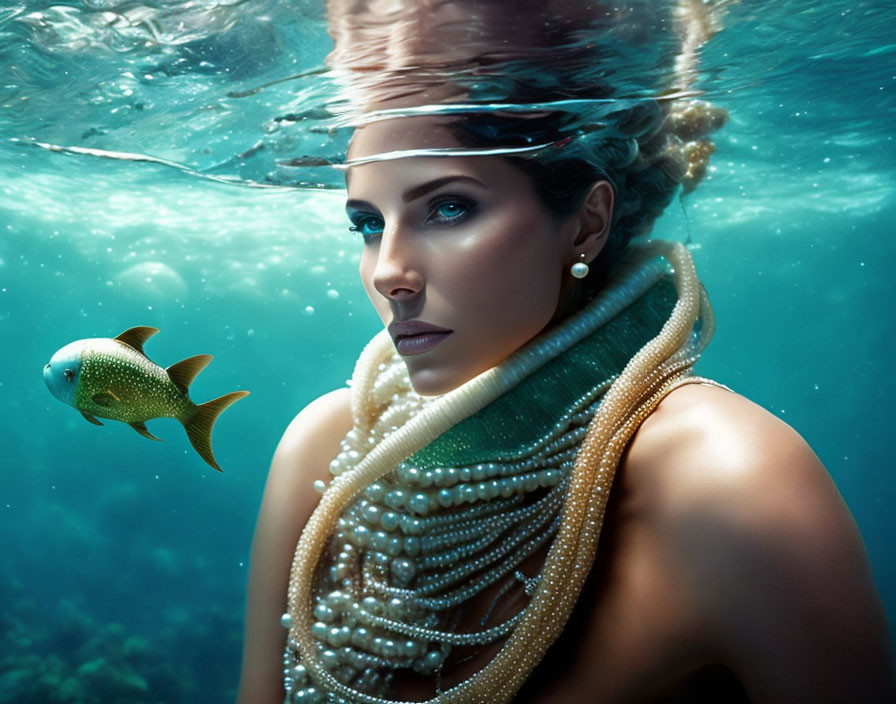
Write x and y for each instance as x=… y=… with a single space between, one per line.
x=416 y=337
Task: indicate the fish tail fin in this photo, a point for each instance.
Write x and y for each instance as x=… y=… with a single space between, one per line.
x=199 y=424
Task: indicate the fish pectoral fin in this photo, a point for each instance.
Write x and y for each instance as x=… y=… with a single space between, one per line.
x=105 y=399
x=141 y=428
x=90 y=418
x=135 y=337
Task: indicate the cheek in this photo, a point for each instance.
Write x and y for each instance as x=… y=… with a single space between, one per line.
x=515 y=259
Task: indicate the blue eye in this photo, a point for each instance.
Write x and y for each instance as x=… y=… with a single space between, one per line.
x=452 y=209
x=368 y=226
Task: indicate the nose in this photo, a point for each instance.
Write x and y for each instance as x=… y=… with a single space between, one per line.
x=397 y=272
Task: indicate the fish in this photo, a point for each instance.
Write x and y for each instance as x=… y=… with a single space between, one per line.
x=113 y=378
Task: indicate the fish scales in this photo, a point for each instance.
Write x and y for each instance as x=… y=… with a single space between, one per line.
x=143 y=388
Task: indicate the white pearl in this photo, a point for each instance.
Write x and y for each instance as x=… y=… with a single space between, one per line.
x=389 y=520
x=322 y=612
x=329 y=659
x=404 y=570
x=419 y=503
x=299 y=674
x=339 y=636
x=433 y=659
x=395 y=608
x=338 y=599
x=371 y=604
x=375 y=491
x=372 y=514
x=396 y=498
x=379 y=541
x=579 y=270
x=357 y=660
x=360 y=637
x=389 y=650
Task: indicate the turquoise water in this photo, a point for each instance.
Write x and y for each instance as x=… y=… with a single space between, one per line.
x=126 y=560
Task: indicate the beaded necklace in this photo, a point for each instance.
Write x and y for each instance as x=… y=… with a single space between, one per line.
x=436 y=499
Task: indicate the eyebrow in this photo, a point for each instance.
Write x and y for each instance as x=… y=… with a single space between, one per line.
x=430 y=186
x=423 y=189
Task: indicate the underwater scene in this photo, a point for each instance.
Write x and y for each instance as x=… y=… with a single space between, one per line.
x=169 y=164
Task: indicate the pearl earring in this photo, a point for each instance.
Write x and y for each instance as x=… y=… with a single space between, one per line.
x=580 y=269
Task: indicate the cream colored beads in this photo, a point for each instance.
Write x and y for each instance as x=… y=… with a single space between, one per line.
x=392 y=547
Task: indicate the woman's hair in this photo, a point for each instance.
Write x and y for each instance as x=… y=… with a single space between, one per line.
x=646 y=149
x=630 y=120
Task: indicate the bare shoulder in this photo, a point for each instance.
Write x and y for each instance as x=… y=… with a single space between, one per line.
x=317 y=427
x=751 y=518
x=704 y=444
x=303 y=454
x=722 y=474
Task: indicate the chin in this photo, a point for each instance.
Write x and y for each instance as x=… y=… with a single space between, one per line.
x=435 y=382
x=431 y=387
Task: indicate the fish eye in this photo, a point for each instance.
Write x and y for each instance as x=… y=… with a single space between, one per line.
x=69 y=374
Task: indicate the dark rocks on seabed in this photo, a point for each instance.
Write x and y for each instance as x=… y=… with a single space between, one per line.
x=62 y=655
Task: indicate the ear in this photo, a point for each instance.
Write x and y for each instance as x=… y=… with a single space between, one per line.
x=594 y=219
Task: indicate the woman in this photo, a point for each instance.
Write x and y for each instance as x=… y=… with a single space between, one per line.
x=530 y=359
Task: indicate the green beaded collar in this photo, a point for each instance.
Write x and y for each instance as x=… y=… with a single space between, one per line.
x=564 y=385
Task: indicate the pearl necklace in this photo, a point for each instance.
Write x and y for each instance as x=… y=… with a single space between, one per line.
x=435 y=499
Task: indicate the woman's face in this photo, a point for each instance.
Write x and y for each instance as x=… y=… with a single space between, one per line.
x=458 y=244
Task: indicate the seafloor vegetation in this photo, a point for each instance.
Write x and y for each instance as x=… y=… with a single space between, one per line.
x=62 y=654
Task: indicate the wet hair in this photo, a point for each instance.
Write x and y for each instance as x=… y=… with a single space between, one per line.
x=647 y=149
x=629 y=67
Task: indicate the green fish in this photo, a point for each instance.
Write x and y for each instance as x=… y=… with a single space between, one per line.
x=112 y=378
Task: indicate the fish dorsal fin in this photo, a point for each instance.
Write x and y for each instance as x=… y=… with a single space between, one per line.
x=135 y=337
x=182 y=373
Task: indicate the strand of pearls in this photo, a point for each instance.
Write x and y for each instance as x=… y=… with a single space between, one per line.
x=405 y=546
x=647 y=378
